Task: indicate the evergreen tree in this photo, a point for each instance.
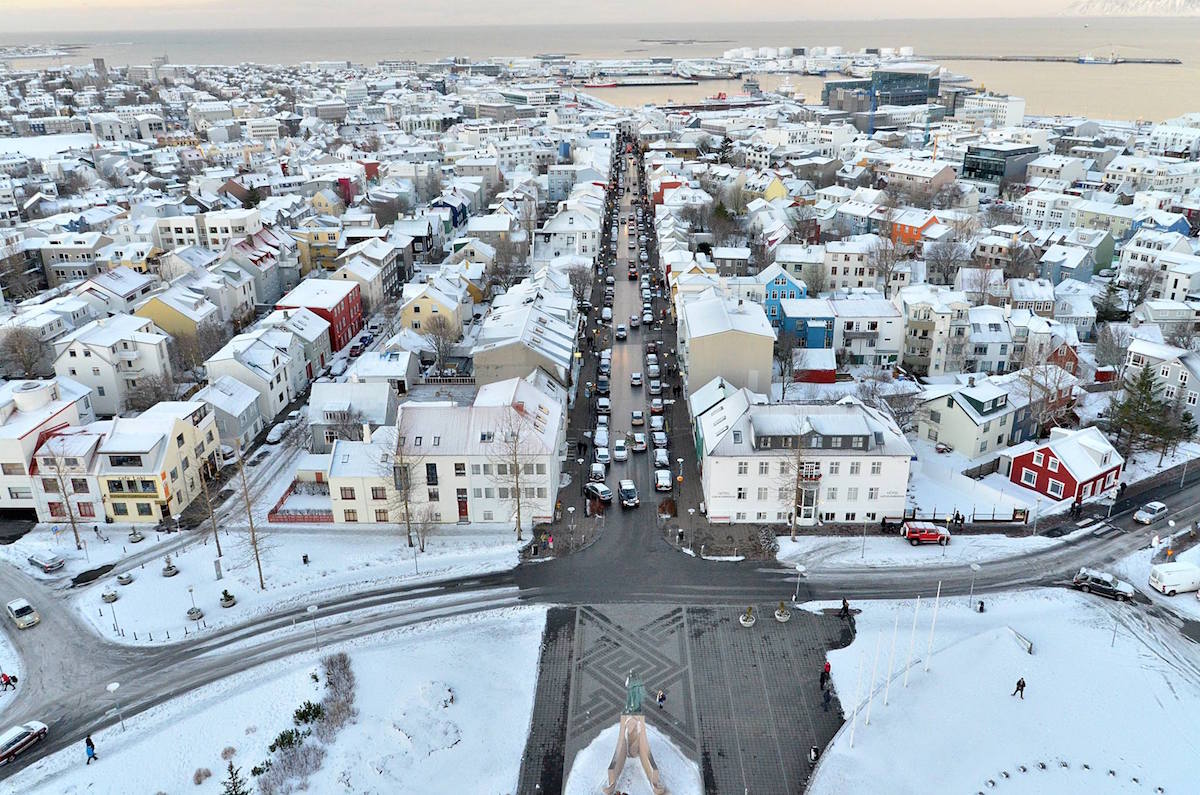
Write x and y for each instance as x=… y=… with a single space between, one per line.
x=1108 y=308
x=234 y=784
x=1139 y=415
x=726 y=150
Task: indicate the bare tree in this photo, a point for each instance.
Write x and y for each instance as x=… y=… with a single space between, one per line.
x=1019 y=260
x=696 y=216
x=1043 y=386
x=23 y=352
x=814 y=277
x=787 y=350
x=883 y=257
x=58 y=478
x=254 y=539
x=404 y=468
x=508 y=266
x=943 y=259
x=1138 y=282
x=580 y=277
x=442 y=334
x=191 y=351
x=1112 y=345
x=346 y=425
x=512 y=455
x=149 y=390
x=19 y=283
x=425 y=525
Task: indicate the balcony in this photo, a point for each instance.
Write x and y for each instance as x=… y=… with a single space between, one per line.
x=861 y=334
x=127 y=356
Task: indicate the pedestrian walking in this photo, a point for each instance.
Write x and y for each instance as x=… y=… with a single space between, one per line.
x=827 y=667
x=845 y=611
x=814 y=754
x=91 y=749
x=7 y=682
x=551 y=543
x=826 y=699
x=661 y=698
x=1020 y=688
x=824 y=679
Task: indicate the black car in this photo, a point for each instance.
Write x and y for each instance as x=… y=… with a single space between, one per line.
x=628 y=493
x=1103 y=583
x=602 y=386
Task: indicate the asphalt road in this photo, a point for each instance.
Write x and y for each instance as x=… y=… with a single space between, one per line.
x=66 y=667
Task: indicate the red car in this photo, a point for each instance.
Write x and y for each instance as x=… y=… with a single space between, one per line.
x=925 y=533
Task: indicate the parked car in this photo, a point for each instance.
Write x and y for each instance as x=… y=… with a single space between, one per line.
x=606 y=314
x=1103 y=583
x=651 y=358
x=1173 y=578
x=662 y=458
x=656 y=387
x=356 y=350
x=628 y=493
x=604 y=368
x=47 y=561
x=645 y=293
x=635 y=379
x=602 y=420
x=663 y=480
x=658 y=438
x=647 y=318
x=644 y=257
x=597 y=473
x=942 y=447
x=620 y=451
x=657 y=422
x=600 y=437
x=599 y=491
x=275 y=435
x=19 y=739
x=656 y=407
x=609 y=280
x=639 y=442
x=653 y=371
x=602 y=456
x=1150 y=513
x=637 y=417
x=338 y=367
x=603 y=406
x=925 y=533
x=22 y=613
x=602 y=386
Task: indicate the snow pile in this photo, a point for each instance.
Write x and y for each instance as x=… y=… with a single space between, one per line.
x=817 y=552
x=1092 y=704
x=589 y=770
x=1135 y=570
x=408 y=736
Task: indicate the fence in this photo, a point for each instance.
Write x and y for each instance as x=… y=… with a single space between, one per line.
x=983 y=469
x=279 y=514
x=449 y=380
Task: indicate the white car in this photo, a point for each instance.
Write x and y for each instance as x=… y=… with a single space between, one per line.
x=647 y=317
x=620 y=451
x=275 y=435
x=600 y=437
x=602 y=456
x=22 y=613
x=635 y=379
x=46 y=561
x=656 y=387
x=602 y=421
x=1150 y=513
x=634 y=321
x=658 y=439
x=662 y=480
x=662 y=459
x=603 y=405
x=19 y=738
x=622 y=332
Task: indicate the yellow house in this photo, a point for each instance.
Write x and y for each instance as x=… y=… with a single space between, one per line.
x=151 y=465
x=765 y=186
x=317 y=243
x=179 y=311
x=420 y=302
x=327 y=202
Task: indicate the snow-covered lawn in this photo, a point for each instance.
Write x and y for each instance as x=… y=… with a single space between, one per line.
x=96 y=551
x=403 y=741
x=1135 y=570
x=936 y=484
x=1092 y=704
x=340 y=561
x=590 y=767
x=41 y=146
x=1144 y=465
x=835 y=552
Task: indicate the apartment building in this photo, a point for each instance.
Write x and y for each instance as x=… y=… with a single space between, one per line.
x=936 y=328
x=151 y=466
x=720 y=337
x=28 y=411
x=71 y=256
x=65 y=475
x=338 y=301
x=111 y=355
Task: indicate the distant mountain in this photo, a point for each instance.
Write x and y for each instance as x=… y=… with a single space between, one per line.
x=1134 y=8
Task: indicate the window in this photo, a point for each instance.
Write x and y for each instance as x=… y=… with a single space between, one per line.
x=837 y=441
x=828 y=516
x=487 y=516
x=486 y=436
x=50 y=485
x=741 y=493
x=120 y=509
x=1055 y=488
x=737 y=437
x=378 y=493
x=437 y=441
x=831 y=494
x=855 y=467
x=852 y=494
x=850 y=517
x=876 y=467
x=347 y=493
x=381 y=516
x=743 y=467
x=460 y=470
x=57 y=509
x=835 y=467
x=19 y=469
x=856 y=441
x=350 y=515
x=873 y=493
x=488 y=493
x=763 y=493
x=179 y=440
x=87 y=510
x=143 y=509
x=1052 y=465
x=764 y=467
x=417 y=441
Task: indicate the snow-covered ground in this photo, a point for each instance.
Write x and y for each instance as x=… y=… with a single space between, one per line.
x=96 y=550
x=404 y=739
x=1135 y=570
x=1094 y=702
x=835 y=552
x=936 y=484
x=589 y=769
x=339 y=562
x=40 y=146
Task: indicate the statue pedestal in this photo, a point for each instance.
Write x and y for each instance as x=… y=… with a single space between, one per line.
x=632 y=742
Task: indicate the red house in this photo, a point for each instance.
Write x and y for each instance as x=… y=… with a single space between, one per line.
x=338 y=301
x=1070 y=465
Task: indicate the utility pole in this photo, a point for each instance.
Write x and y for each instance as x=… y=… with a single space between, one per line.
x=250 y=518
x=208 y=506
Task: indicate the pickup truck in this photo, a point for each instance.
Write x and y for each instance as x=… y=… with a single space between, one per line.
x=925 y=533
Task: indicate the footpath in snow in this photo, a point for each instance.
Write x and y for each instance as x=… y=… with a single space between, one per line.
x=842 y=552
x=1102 y=713
x=408 y=736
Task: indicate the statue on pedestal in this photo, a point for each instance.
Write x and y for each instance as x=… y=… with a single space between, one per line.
x=632 y=740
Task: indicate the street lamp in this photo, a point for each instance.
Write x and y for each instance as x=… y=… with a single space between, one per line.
x=680 y=460
x=799 y=573
x=192 y=594
x=312 y=611
x=112 y=688
x=692 y=522
x=971 y=594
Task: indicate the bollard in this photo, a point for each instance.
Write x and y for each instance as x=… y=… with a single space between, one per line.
x=305 y=559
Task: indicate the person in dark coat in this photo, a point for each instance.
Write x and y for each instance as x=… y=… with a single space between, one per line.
x=91 y=750
x=824 y=679
x=6 y=682
x=845 y=611
x=826 y=699
x=1020 y=688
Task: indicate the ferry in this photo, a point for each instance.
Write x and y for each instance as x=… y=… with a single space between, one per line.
x=601 y=84
x=1090 y=59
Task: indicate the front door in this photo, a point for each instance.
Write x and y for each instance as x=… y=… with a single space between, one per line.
x=462 y=505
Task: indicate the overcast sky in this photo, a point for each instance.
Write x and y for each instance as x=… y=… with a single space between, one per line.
x=83 y=15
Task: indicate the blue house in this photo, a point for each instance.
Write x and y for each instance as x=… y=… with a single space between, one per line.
x=809 y=319
x=779 y=285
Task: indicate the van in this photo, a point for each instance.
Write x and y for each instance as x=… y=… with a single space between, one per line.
x=1173 y=578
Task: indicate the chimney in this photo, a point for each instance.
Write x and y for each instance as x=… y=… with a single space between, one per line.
x=971 y=381
x=366 y=432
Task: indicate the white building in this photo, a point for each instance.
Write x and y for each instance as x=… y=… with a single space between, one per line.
x=110 y=356
x=27 y=408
